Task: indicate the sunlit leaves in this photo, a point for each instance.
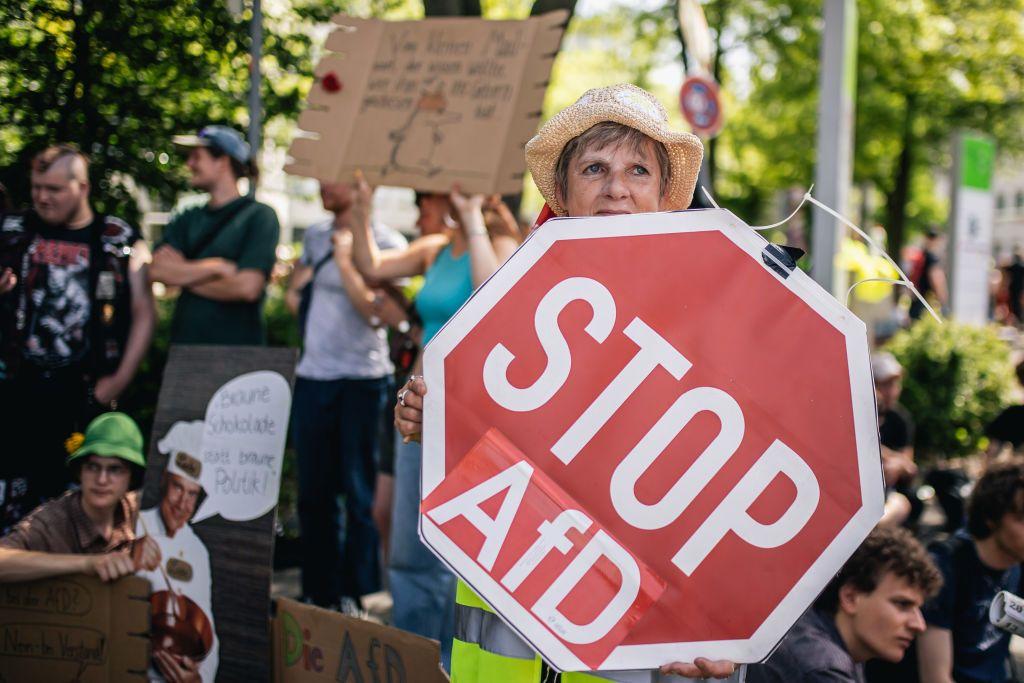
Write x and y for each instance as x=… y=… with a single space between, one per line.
x=929 y=66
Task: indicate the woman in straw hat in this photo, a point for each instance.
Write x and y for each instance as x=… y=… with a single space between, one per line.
x=612 y=152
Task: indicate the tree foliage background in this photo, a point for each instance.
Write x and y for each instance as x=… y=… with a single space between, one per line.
x=925 y=68
x=120 y=78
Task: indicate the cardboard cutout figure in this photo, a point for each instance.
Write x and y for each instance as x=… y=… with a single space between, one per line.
x=181 y=609
x=212 y=482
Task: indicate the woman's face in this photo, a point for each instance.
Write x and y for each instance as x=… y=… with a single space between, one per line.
x=434 y=210
x=613 y=180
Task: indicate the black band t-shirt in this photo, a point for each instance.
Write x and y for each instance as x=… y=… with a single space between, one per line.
x=56 y=332
x=57 y=289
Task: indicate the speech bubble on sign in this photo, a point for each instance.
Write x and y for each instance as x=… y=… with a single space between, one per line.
x=243 y=446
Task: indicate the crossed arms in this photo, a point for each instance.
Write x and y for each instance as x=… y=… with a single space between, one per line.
x=213 y=278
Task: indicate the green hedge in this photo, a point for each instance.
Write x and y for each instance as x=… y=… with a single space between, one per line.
x=956 y=378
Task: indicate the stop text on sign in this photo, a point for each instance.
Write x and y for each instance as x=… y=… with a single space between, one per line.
x=655 y=352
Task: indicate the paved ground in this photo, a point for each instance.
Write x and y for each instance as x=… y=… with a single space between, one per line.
x=286 y=585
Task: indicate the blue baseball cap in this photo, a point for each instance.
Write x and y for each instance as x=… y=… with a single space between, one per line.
x=227 y=140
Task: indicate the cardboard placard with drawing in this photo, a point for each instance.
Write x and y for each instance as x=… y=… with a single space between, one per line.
x=427 y=104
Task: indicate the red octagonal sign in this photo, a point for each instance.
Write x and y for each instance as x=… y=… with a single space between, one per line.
x=647 y=440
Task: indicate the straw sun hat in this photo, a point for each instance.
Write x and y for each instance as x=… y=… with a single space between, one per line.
x=630 y=106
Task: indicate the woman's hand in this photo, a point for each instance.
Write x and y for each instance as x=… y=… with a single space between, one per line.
x=409 y=409
x=499 y=219
x=701 y=668
x=469 y=210
x=362 y=200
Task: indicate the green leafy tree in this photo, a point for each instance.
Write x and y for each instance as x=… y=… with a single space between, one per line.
x=925 y=68
x=957 y=378
x=121 y=78
x=928 y=69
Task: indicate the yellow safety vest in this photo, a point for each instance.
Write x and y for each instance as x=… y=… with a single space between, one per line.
x=487 y=650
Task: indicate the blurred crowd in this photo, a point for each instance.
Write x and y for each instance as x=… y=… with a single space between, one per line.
x=77 y=317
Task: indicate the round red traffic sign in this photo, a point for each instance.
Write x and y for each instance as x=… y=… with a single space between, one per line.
x=701 y=105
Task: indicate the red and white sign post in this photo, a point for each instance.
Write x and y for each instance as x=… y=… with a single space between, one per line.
x=645 y=444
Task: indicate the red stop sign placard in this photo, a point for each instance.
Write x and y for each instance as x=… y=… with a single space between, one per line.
x=645 y=440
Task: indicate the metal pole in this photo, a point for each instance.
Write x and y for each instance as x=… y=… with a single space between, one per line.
x=833 y=173
x=255 y=107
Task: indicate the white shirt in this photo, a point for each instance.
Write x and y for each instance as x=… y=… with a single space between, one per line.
x=184 y=546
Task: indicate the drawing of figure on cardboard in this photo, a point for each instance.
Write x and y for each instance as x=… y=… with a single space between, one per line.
x=415 y=143
x=184 y=642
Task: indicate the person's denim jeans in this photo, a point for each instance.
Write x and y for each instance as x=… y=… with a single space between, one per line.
x=335 y=429
x=422 y=587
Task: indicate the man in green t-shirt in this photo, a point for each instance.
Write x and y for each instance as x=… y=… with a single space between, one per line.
x=219 y=254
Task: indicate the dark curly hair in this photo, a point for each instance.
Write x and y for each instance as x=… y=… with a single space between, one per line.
x=995 y=495
x=885 y=550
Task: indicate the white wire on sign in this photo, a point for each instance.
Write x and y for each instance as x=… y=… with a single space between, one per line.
x=785 y=220
x=904 y=281
x=849 y=292
x=710 y=198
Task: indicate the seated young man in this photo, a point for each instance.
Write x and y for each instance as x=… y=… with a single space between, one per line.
x=91 y=530
x=960 y=643
x=871 y=609
x=1008 y=427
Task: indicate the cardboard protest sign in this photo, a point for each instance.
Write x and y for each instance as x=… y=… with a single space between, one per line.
x=425 y=104
x=313 y=644
x=212 y=481
x=74 y=628
x=630 y=419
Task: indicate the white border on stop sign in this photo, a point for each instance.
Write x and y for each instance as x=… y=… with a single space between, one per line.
x=796 y=601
